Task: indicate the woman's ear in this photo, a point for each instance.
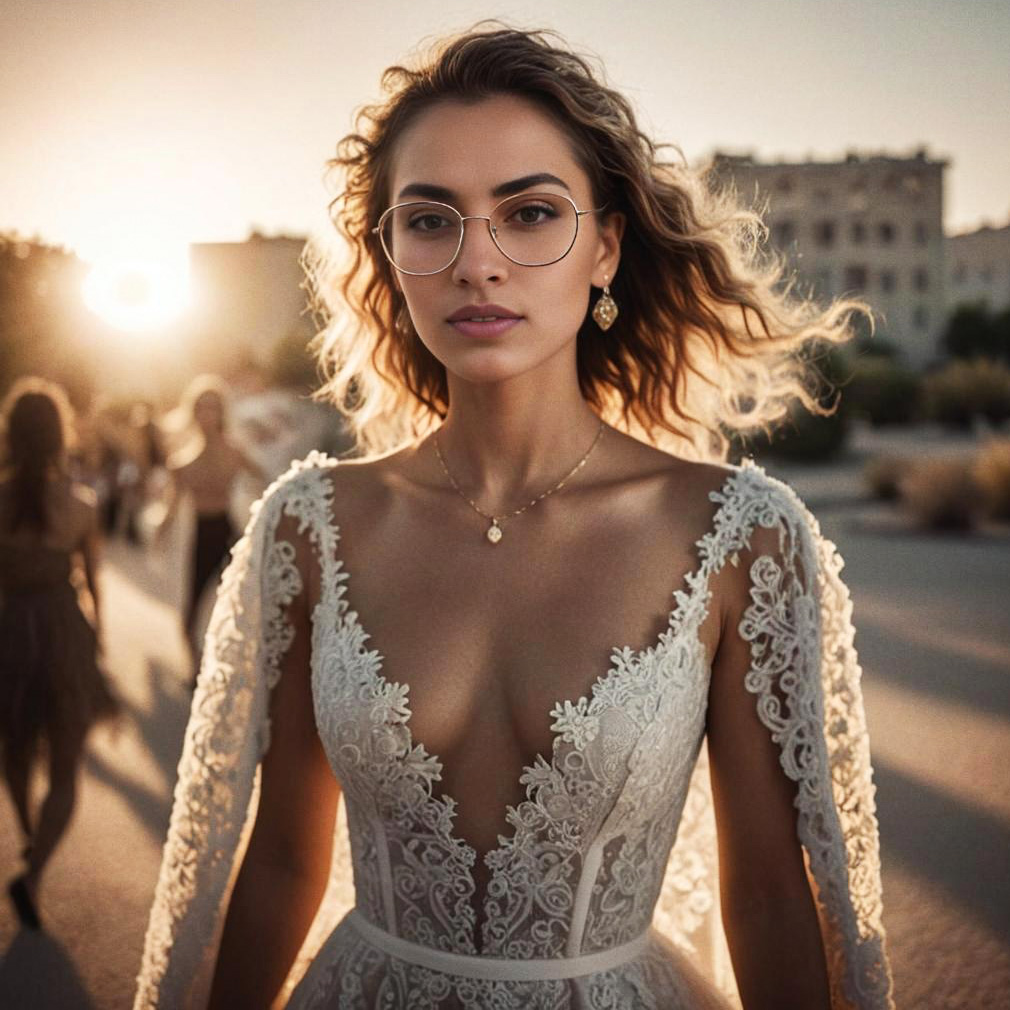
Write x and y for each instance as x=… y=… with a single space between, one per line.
x=610 y=231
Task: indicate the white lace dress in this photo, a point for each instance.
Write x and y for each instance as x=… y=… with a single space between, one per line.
x=587 y=908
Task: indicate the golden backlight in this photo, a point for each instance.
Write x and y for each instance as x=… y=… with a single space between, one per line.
x=139 y=294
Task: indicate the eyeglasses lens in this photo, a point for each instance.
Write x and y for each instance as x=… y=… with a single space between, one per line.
x=532 y=229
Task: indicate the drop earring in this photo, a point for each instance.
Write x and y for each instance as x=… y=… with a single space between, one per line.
x=605 y=310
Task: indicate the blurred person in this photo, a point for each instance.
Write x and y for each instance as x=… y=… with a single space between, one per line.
x=143 y=471
x=543 y=341
x=206 y=471
x=52 y=689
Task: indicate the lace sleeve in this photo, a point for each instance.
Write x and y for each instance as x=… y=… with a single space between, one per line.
x=804 y=676
x=227 y=734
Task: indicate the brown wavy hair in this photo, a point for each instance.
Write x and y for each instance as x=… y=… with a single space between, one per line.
x=36 y=426
x=711 y=337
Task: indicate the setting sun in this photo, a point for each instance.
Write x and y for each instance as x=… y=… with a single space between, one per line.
x=138 y=294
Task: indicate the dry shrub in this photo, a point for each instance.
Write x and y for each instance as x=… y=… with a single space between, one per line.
x=883 y=476
x=941 y=494
x=964 y=390
x=991 y=473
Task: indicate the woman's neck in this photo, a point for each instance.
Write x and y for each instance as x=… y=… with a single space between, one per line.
x=501 y=444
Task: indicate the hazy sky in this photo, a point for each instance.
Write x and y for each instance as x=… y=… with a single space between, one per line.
x=198 y=119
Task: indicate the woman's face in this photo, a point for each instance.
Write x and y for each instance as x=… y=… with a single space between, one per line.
x=208 y=412
x=471 y=157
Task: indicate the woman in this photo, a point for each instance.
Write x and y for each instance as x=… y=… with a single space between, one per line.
x=530 y=287
x=206 y=470
x=51 y=688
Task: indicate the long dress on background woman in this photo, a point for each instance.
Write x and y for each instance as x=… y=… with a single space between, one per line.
x=587 y=907
x=51 y=683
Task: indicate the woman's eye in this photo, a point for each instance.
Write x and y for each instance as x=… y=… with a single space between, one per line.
x=428 y=222
x=533 y=213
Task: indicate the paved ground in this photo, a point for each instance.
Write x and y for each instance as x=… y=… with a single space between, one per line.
x=932 y=633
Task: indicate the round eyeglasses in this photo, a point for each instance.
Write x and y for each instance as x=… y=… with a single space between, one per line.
x=531 y=229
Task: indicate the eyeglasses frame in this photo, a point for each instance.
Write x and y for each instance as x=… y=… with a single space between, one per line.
x=377 y=230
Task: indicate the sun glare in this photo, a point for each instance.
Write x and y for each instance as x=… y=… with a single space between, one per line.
x=138 y=294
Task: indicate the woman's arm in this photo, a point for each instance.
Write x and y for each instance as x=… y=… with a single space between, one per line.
x=286 y=866
x=91 y=555
x=768 y=910
x=174 y=486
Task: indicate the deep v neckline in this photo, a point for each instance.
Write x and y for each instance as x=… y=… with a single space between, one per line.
x=686 y=616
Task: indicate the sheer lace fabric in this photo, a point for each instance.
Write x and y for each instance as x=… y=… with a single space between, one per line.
x=587 y=866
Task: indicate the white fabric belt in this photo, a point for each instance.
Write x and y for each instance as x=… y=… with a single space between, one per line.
x=496 y=969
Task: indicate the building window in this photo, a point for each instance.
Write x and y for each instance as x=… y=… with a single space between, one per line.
x=959 y=273
x=857 y=232
x=822 y=195
x=783 y=233
x=886 y=233
x=784 y=184
x=822 y=282
x=920 y=317
x=920 y=279
x=824 y=234
x=855 y=277
x=986 y=274
x=921 y=233
x=887 y=281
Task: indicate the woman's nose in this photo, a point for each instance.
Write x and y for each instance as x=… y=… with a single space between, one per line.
x=479 y=259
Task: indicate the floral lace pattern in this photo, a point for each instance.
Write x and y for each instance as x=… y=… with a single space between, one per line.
x=589 y=855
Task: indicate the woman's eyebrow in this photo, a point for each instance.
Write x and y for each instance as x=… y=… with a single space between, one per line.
x=528 y=181
x=428 y=191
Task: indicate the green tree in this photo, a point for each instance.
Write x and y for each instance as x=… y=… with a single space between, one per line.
x=973 y=332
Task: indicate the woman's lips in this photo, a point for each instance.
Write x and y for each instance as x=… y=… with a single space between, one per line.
x=492 y=327
x=483 y=320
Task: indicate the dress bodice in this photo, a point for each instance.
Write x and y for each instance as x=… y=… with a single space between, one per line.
x=583 y=863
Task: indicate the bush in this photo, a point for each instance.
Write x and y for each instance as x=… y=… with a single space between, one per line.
x=803 y=438
x=883 y=475
x=882 y=391
x=992 y=475
x=941 y=494
x=972 y=331
x=874 y=346
x=963 y=390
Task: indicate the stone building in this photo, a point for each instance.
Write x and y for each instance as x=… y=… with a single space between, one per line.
x=870 y=226
x=978 y=268
x=247 y=298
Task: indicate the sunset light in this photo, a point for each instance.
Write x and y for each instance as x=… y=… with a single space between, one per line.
x=138 y=294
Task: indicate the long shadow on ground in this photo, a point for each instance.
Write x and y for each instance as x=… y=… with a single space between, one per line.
x=161 y=729
x=938 y=836
x=36 y=972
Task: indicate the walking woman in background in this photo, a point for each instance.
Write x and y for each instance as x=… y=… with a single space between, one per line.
x=52 y=690
x=206 y=470
x=544 y=337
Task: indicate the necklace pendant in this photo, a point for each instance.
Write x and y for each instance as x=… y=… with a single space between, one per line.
x=494 y=532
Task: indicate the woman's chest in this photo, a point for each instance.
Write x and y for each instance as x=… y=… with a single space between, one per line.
x=490 y=642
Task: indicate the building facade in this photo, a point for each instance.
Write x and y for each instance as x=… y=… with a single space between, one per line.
x=978 y=268
x=869 y=226
x=247 y=297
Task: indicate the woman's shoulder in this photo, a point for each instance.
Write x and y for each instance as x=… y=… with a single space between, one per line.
x=311 y=486
x=735 y=501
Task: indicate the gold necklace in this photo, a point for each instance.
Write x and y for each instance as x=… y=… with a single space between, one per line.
x=494 y=532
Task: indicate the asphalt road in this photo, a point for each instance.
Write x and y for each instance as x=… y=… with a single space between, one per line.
x=934 y=641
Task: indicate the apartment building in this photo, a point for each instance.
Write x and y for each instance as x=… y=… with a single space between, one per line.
x=978 y=268
x=870 y=225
